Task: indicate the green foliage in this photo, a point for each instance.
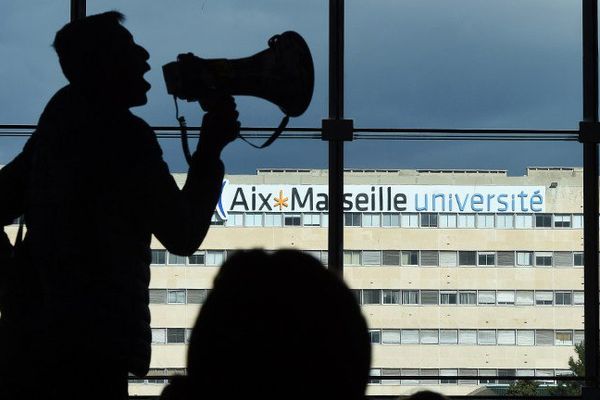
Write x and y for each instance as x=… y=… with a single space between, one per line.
x=523 y=388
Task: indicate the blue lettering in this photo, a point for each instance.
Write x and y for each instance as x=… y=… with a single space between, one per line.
x=501 y=200
x=461 y=207
x=490 y=196
x=425 y=207
x=476 y=200
x=522 y=196
x=536 y=199
x=449 y=201
x=440 y=196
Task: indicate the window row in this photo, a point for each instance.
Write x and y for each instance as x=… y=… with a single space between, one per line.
x=153 y=375
x=171 y=335
x=479 y=337
x=178 y=296
x=469 y=297
x=466 y=258
x=406 y=220
x=449 y=373
x=200 y=257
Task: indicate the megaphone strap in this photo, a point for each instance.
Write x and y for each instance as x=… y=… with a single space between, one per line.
x=273 y=137
x=184 y=134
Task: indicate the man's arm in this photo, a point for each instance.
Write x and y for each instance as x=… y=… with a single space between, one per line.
x=181 y=219
x=13 y=185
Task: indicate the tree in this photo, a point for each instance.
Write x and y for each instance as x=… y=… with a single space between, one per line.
x=523 y=388
x=577 y=367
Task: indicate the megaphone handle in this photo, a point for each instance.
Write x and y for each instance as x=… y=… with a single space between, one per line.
x=273 y=137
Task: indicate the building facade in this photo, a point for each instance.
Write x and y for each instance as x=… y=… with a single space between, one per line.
x=458 y=272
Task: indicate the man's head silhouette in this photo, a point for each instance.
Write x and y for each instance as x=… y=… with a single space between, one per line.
x=99 y=57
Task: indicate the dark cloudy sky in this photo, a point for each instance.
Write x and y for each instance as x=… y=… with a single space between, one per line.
x=409 y=63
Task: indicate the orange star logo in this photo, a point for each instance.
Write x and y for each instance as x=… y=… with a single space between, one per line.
x=280 y=201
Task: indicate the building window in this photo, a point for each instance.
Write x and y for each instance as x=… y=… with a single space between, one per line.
x=410 y=297
x=466 y=220
x=467 y=297
x=505 y=297
x=410 y=336
x=375 y=336
x=235 y=219
x=371 y=296
x=371 y=257
x=564 y=338
x=486 y=259
x=197 y=296
x=390 y=220
x=524 y=298
x=198 y=258
x=524 y=258
x=390 y=336
x=253 y=219
x=486 y=297
x=562 y=221
x=486 y=337
x=563 y=299
x=525 y=337
x=506 y=337
x=504 y=221
x=409 y=220
x=158 y=296
x=174 y=259
x=448 y=336
x=176 y=296
x=352 y=219
x=159 y=336
x=215 y=257
x=578 y=259
x=467 y=336
x=429 y=258
x=158 y=257
x=578 y=297
x=447 y=220
x=374 y=372
x=292 y=220
x=543 y=298
x=352 y=257
x=175 y=335
x=429 y=220
x=410 y=257
x=543 y=259
x=448 y=259
x=448 y=297
x=523 y=221
x=485 y=220
x=429 y=297
x=577 y=221
x=273 y=220
x=445 y=373
x=391 y=257
x=544 y=337
x=370 y=220
x=543 y=220
x=391 y=296
x=312 y=219
x=467 y=258
x=429 y=336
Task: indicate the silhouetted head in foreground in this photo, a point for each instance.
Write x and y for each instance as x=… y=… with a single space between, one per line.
x=99 y=57
x=427 y=395
x=278 y=326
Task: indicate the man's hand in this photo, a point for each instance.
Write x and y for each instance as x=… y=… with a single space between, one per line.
x=219 y=126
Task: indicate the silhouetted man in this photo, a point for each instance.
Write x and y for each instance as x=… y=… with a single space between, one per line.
x=94 y=188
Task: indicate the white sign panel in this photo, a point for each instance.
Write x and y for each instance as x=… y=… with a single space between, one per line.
x=383 y=198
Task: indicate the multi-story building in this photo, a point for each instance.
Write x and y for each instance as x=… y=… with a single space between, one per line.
x=459 y=272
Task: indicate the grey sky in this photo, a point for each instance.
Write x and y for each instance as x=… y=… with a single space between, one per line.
x=418 y=63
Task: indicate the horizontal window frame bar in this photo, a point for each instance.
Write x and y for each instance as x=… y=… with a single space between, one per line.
x=315 y=133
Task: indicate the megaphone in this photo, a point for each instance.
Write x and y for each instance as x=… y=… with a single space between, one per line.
x=282 y=74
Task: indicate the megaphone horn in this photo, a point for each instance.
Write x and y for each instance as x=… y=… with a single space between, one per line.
x=282 y=74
